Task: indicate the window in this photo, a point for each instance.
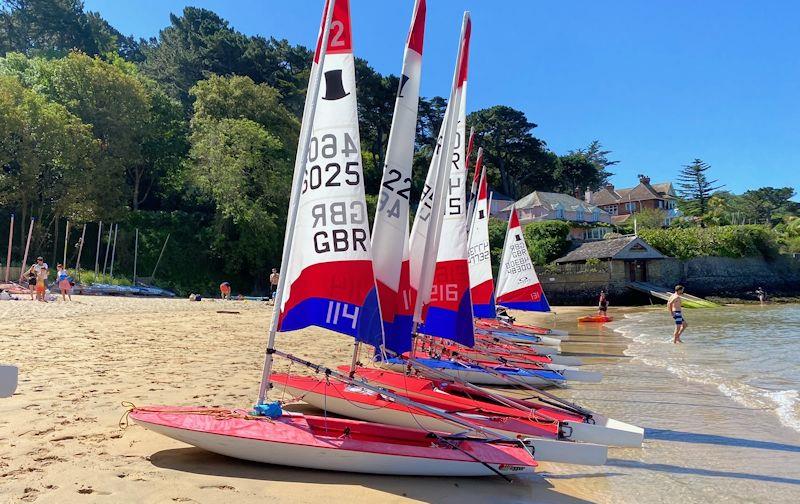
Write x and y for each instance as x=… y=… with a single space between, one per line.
x=612 y=209
x=579 y=214
x=660 y=203
x=596 y=215
x=559 y=211
x=595 y=233
x=630 y=207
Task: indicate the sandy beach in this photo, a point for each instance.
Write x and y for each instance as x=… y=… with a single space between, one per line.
x=60 y=439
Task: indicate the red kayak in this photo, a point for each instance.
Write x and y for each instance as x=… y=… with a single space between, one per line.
x=595 y=319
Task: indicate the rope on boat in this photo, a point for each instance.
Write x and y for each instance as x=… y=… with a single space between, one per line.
x=473 y=457
x=217 y=413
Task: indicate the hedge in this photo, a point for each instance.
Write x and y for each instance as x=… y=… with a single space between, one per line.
x=722 y=241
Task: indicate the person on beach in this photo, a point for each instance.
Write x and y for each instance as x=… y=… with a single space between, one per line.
x=30 y=277
x=41 y=270
x=602 y=304
x=674 y=307
x=762 y=295
x=62 y=280
x=225 y=290
x=274 y=278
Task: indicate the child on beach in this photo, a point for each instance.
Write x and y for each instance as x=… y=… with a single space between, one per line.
x=30 y=277
x=41 y=270
x=64 y=285
x=274 y=279
x=225 y=290
x=674 y=307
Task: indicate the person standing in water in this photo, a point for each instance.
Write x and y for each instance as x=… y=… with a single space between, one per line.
x=675 y=308
x=602 y=304
x=762 y=295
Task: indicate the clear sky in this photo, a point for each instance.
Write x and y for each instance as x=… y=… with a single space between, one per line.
x=657 y=82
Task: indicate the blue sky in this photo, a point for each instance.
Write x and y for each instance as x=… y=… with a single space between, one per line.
x=659 y=83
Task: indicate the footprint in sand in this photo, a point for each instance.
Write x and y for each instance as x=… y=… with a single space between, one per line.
x=29 y=494
x=218 y=487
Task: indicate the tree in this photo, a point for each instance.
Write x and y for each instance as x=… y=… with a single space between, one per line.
x=695 y=189
x=769 y=204
x=241 y=159
x=510 y=150
x=546 y=240
x=576 y=172
x=598 y=156
x=47 y=159
x=650 y=218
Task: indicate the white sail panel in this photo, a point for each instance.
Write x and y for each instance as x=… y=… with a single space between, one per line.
x=518 y=286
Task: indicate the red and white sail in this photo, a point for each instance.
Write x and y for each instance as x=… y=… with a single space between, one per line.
x=518 y=287
x=447 y=308
x=390 y=241
x=328 y=277
x=480 y=260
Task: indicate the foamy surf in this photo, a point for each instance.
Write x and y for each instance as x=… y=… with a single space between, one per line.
x=746 y=353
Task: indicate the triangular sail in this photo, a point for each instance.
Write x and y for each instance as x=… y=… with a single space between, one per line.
x=447 y=310
x=480 y=261
x=390 y=229
x=329 y=280
x=518 y=287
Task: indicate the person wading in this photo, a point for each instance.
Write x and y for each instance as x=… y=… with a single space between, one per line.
x=675 y=308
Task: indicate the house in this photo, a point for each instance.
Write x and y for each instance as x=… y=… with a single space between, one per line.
x=622 y=203
x=628 y=255
x=587 y=220
x=498 y=203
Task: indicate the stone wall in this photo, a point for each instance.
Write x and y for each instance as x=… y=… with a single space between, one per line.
x=702 y=276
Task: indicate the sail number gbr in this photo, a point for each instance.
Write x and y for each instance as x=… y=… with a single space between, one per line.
x=323 y=171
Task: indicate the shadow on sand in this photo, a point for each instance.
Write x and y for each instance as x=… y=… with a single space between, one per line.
x=700 y=438
x=457 y=490
x=696 y=471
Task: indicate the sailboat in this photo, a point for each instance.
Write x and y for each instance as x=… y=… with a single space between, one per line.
x=328 y=281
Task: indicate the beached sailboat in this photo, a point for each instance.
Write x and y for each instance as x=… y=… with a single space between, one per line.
x=329 y=282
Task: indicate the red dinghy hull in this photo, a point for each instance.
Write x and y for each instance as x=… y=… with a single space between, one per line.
x=331 y=444
x=595 y=319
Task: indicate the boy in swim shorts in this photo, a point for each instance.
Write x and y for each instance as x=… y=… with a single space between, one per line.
x=675 y=309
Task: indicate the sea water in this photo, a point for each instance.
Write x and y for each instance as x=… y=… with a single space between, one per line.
x=750 y=353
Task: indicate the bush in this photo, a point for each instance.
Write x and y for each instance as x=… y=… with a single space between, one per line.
x=722 y=241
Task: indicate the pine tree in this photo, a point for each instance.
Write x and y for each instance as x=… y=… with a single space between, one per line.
x=695 y=189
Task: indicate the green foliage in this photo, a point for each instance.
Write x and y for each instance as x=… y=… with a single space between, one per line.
x=546 y=240
x=695 y=189
x=497 y=236
x=724 y=241
x=649 y=218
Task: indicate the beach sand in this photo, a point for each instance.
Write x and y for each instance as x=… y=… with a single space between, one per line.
x=60 y=440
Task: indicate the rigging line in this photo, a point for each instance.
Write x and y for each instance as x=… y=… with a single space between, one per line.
x=473 y=457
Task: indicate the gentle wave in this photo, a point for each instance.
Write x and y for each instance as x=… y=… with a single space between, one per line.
x=717 y=355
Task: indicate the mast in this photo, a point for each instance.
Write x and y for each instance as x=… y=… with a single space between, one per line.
x=297 y=184
x=97 y=252
x=66 y=243
x=114 y=250
x=135 y=255
x=108 y=247
x=10 y=241
x=164 y=247
x=80 y=251
x=27 y=249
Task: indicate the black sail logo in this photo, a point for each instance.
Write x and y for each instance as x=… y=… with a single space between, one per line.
x=334 y=88
x=403 y=79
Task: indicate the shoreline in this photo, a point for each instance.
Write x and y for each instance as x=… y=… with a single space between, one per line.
x=60 y=440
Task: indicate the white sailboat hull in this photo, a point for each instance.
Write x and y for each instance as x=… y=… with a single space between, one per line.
x=546 y=450
x=483 y=377
x=9 y=377
x=311 y=457
x=606 y=431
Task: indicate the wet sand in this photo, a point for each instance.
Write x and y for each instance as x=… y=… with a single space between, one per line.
x=60 y=440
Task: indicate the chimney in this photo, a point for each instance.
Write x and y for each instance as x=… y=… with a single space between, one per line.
x=610 y=186
x=588 y=195
x=644 y=179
